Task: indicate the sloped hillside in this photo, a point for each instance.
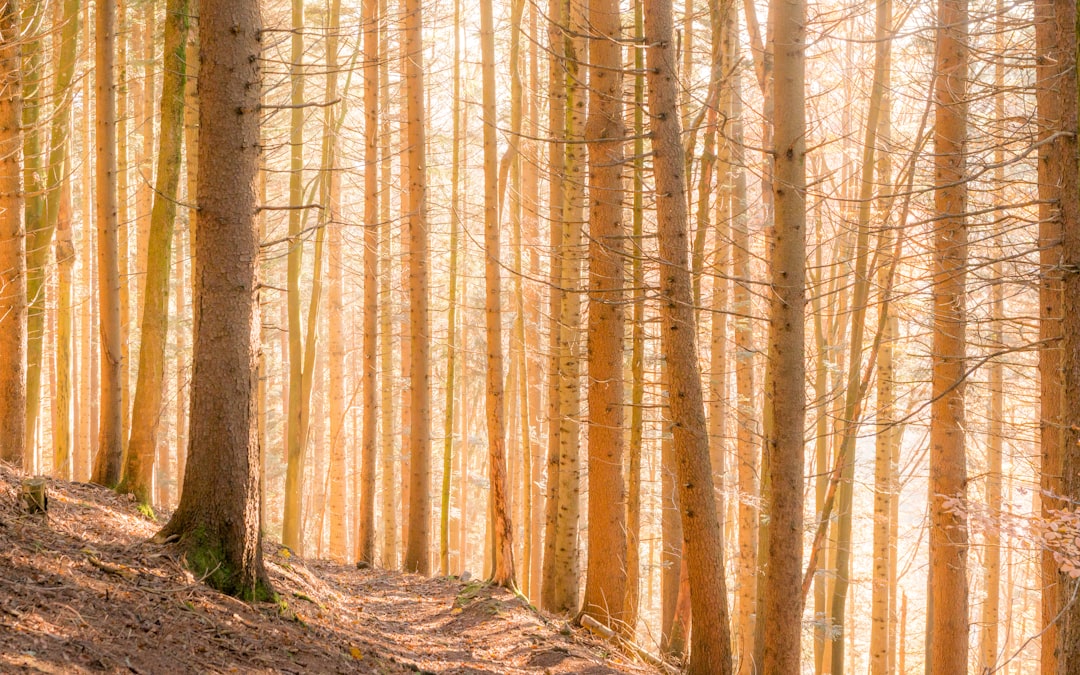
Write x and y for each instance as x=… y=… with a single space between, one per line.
x=83 y=591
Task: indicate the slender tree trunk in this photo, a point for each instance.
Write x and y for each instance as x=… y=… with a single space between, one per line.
x=710 y=646
x=87 y=390
x=389 y=449
x=947 y=624
x=783 y=605
x=63 y=411
x=12 y=245
x=107 y=464
x=31 y=45
x=218 y=513
x=366 y=522
x=502 y=572
x=556 y=159
x=631 y=606
x=149 y=403
x=331 y=182
x=418 y=546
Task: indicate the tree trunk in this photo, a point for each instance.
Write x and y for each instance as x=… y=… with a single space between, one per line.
x=417 y=550
x=149 y=401
x=31 y=46
x=107 y=464
x=64 y=364
x=366 y=521
x=710 y=646
x=783 y=605
x=947 y=624
x=218 y=513
x=605 y=581
x=1059 y=186
x=12 y=245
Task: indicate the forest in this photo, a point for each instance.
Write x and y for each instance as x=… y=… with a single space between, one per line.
x=747 y=333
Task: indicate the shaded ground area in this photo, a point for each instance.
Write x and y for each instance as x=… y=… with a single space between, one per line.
x=82 y=591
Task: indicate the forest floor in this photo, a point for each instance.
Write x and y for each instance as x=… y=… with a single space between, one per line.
x=84 y=590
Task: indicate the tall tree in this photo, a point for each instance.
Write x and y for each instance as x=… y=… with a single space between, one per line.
x=107 y=464
x=417 y=551
x=1059 y=192
x=703 y=550
x=782 y=618
x=502 y=571
x=947 y=624
x=217 y=518
x=605 y=578
x=149 y=400
x=366 y=520
x=12 y=244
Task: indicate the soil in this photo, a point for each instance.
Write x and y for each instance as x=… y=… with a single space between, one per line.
x=84 y=590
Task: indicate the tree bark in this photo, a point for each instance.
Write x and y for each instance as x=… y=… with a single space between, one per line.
x=218 y=513
x=107 y=464
x=783 y=605
x=710 y=646
x=12 y=245
x=947 y=624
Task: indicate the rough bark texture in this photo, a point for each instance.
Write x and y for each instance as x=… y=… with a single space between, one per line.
x=218 y=515
x=1060 y=185
x=418 y=545
x=947 y=625
x=12 y=245
x=783 y=605
x=605 y=580
x=710 y=646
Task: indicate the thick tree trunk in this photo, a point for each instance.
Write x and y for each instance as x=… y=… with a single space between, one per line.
x=149 y=402
x=12 y=245
x=947 y=624
x=605 y=581
x=218 y=513
x=703 y=550
x=782 y=617
x=1059 y=186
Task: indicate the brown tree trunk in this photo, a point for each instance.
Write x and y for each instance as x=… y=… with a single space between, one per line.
x=418 y=547
x=218 y=513
x=947 y=624
x=12 y=245
x=710 y=646
x=107 y=464
x=782 y=618
x=365 y=547
x=149 y=400
x=605 y=579
x=502 y=571
x=1059 y=186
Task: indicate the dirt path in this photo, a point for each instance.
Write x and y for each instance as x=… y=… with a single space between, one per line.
x=82 y=591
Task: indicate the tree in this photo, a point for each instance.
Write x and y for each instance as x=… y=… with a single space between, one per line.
x=417 y=555
x=107 y=464
x=502 y=571
x=12 y=245
x=947 y=625
x=605 y=577
x=366 y=521
x=149 y=400
x=782 y=617
x=217 y=518
x=710 y=646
